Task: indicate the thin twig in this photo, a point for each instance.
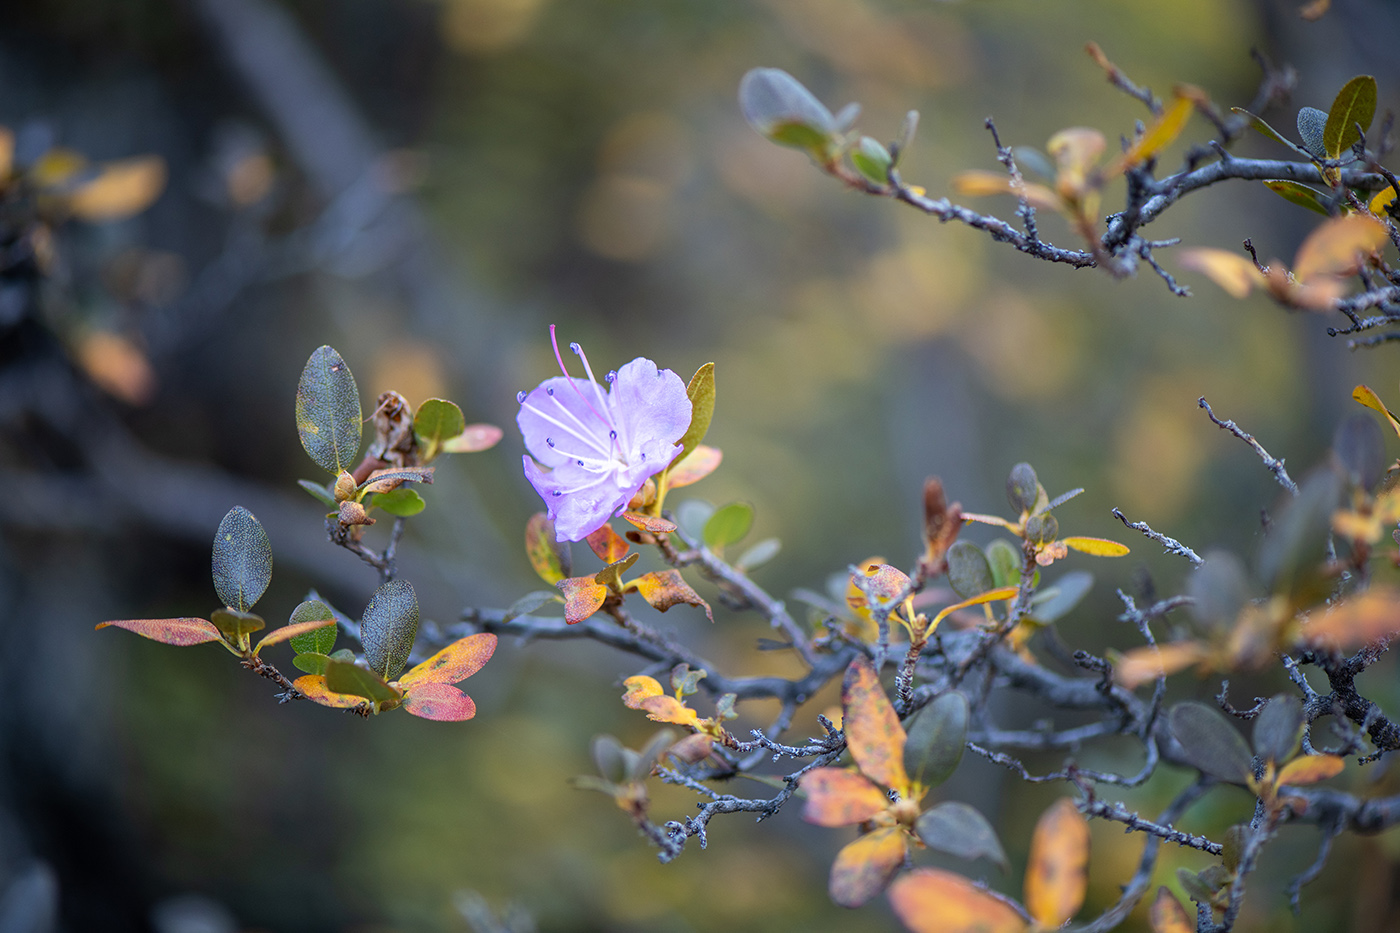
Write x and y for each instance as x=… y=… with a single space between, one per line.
x=1274 y=465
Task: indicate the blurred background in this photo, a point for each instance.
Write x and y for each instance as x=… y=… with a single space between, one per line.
x=426 y=185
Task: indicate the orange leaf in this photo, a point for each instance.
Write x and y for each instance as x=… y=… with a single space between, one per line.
x=458 y=661
x=1099 y=547
x=440 y=702
x=473 y=439
x=929 y=900
x=1366 y=396
x=1339 y=246
x=650 y=523
x=1309 y=769
x=698 y=464
x=1361 y=620
x=837 y=797
x=639 y=688
x=122 y=189
x=1236 y=274
x=1058 y=873
x=666 y=588
x=286 y=632
x=181 y=632
x=117 y=366
x=1168 y=916
x=864 y=867
x=610 y=546
x=1163 y=131
x=978 y=184
x=873 y=733
x=314 y=686
x=583 y=596
x=1140 y=665
x=669 y=709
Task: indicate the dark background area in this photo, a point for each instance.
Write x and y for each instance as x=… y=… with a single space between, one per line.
x=426 y=185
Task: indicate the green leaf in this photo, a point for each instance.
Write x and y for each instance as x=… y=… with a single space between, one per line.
x=684 y=681
x=1312 y=125
x=872 y=160
x=328 y=411
x=1022 y=488
x=609 y=758
x=691 y=516
x=969 y=573
x=958 y=829
x=1301 y=195
x=388 y=628
x=907 y=129
x=1219 y=589
x=1278 y=732
x=1055 y=602
x=436 y=422
x=242 y=559
x=1352 y=111
x=1265 y=129
x=318 y=491
x=1210 y=743
x=728 y=525
x=781 y=108
x=1005 y=560
x=311 y=662
x=549 y=556
x=530 y=602
x=344 y=677
x=402 y=502
x=611 y=575
x=236 y=626
x=760 y=554
x=936 y=739
x=320 y=641
x=701 y=392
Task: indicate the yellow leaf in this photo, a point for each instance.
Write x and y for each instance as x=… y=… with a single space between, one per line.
x=1058 y=873
x=1163 y=131
x=1366 y=396
x=1168 y=916
x=314 y=686
x=1148 y=663
x=458 y=661
x=639 y=688
x=991 y=596
x=864 y=867
x=1234 y=273
x=666 y=588
x=873 y=733
x=1381 y=199
x=669 y=709
x=1309 y=769
x=1099 y=547
x=978 y=184
x=928 y=900
x=1339 y=247
x=121 y=189
x=7 y=152
x=837 y=797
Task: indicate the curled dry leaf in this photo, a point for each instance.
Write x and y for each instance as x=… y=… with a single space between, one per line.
x=583 y=596
x=666 y=588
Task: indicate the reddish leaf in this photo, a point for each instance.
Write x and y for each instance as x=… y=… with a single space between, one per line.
x=697 y=465
x=873 y=733
x=1168 y=916
x=608 y=545
x=928 y=900
x=181 y=632
x=439 y=701
x=650 y=523
x=837 y=797
x=1058 y=873
x=314 y=686
x=666 y=588
x=473 y=439
x=864 y=867
x=1310 y=769
x=458 y=661
x=883 y=582
x=583 y=596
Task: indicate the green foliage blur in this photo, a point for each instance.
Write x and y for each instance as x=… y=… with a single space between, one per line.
x=584 y=163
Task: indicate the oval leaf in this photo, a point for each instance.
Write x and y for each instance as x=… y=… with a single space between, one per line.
x=311 y=662
x=242 y=559
x=1312 y=125
x=1301 y=195
x=549 y=556
x=236 y=626
x=610 y=758
x=345 y=677
x=440 y=702
x=455 y=663
x=758 y=555
x=781 y=108
x=1220 y=588
x=473 y=439
x=1354 y=104
x=437 y=421
x=695 y=466
x=837 y=797
x=1278 y=731
x=328 y=411
x=935 y=743
x=1168 y=916
x=181 y=632
x=388 y=628
x=1339 y=246
x=969 y=571
x=1099 y=547
x=320 y=640
x=666 y=588
x=529 y=603
x=873 y=733
x=1053 y=603
x=1210 y=743
x=864 y=867
x=1057 y=875
x=728 y=525
x=315 y=689
x=928 y=900
x=583 y=596
x=1005 y=560
x=1310 y=769
x=288 y=632
x=701 y=392
x=1238 y=275
x=401 y=503
x=960 y=830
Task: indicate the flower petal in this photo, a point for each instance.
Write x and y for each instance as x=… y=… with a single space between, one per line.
x=652 y=412
x=578 y=501
x=567 y=415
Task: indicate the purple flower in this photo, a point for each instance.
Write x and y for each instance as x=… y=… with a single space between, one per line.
x=597 y=449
